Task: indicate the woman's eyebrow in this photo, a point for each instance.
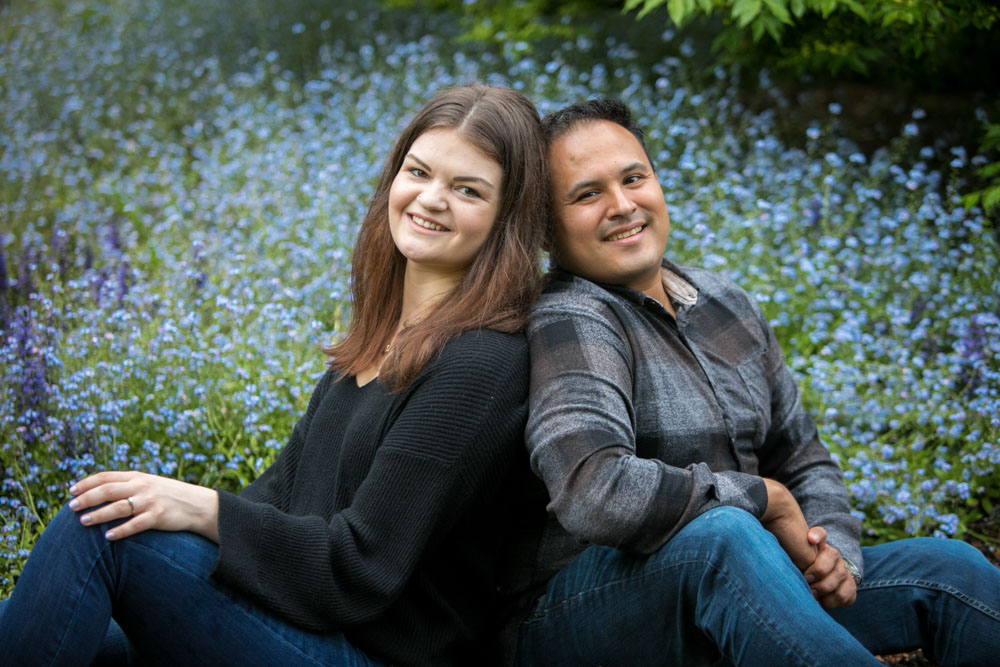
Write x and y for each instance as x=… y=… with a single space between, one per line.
x=476 y=179
x=423 y=165
x=426 y=167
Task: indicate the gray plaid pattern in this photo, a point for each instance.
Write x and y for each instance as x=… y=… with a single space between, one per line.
x=640 y=423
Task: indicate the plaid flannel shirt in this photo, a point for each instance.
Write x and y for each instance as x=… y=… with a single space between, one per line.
x=639 y=422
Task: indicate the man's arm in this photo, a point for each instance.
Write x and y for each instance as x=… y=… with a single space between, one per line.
x=793 y=455
x=581 y=437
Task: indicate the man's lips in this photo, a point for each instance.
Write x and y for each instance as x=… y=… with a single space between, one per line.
x=628 y=232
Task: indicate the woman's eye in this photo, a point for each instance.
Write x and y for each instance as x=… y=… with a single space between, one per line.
x=587 y=195
x=469 y=192
x=417 y=171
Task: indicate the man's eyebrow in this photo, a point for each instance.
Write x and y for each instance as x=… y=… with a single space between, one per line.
x=583 y=185
x=426 y=167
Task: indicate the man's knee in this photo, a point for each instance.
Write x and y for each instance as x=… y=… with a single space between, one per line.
x=951 y=562
x=730 y=536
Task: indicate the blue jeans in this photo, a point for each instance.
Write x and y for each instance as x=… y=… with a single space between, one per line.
x=723 y=592
x=157 y=587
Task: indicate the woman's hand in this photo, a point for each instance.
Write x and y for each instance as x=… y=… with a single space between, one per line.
x=154 y=503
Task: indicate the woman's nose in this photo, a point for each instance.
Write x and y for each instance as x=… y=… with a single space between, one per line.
x=432 y=198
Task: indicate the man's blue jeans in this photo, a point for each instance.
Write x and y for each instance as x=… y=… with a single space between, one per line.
x=723 y=592
x=157 y=587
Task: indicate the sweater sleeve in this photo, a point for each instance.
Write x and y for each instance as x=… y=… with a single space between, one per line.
x=793 y=455
x=454 y=431
x=582 y=441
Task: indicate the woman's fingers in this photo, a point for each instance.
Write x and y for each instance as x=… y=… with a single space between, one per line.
x=108 y=492
x=138 y=523
x=119 y=509
x=97 y=479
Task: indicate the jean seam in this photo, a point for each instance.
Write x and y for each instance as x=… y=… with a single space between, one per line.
x=76 y=610
x=789 y=648
x=258 y=621
x=974 y=603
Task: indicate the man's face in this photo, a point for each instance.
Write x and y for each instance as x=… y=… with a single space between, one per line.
x=611 y=223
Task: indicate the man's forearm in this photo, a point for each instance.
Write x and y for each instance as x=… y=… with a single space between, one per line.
x=784 y=519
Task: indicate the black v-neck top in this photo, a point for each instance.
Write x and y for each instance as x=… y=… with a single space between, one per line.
x=384 y=515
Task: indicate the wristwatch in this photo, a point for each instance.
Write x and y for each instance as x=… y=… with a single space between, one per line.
x=853 y=569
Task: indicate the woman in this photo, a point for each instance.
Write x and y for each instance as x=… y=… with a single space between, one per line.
x=372 y=539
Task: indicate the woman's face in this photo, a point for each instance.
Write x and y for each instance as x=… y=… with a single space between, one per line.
x=443 y=201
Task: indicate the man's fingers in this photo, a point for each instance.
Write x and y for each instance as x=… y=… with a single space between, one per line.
x=826 y=562
x=843 y=596
x=817 y=536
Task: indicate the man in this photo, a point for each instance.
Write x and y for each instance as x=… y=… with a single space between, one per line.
x=700 y=519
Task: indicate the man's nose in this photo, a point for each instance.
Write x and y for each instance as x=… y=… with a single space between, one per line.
x=621 y=204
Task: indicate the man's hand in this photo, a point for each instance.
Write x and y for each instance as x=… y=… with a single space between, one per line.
x=827 y=576
x=783 y=518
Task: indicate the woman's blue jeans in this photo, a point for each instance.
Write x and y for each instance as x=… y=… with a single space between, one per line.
x=723 y=592
x=157 y=587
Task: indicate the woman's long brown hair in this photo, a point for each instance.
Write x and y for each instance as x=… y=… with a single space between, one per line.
x=505 y=276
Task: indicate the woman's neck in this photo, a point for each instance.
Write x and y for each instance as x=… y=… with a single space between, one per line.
x=423 y=289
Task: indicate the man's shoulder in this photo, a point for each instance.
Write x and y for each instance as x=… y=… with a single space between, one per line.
x=565 y=291
x=570 y=296
x=563 y=288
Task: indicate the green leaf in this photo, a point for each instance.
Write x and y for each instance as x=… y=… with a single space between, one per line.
x=991 y=198
x=780 y=12
x=678 y=10
x=798 y=8
x=745 y=11
x=971 y=199
x=706 y=6
x=857 y=8
x=990 y=170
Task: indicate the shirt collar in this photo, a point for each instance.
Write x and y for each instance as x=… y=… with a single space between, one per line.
x=674 y=282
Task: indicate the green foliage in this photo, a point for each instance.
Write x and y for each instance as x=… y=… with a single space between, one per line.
x=836 y=36
x=989 y=196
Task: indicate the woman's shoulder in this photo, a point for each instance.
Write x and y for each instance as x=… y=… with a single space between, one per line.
x=488 y=342
x=483 y=350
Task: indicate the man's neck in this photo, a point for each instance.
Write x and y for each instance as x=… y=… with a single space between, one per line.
x=656 y=290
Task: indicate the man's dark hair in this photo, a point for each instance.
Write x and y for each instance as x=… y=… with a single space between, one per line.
x=560 y=122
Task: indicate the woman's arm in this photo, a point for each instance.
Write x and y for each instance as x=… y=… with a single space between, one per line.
x=162 y=503
x=459 y=427
x=153 y=502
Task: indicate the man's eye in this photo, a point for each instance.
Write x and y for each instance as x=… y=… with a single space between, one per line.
x=587 y=195
x=634 y=178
